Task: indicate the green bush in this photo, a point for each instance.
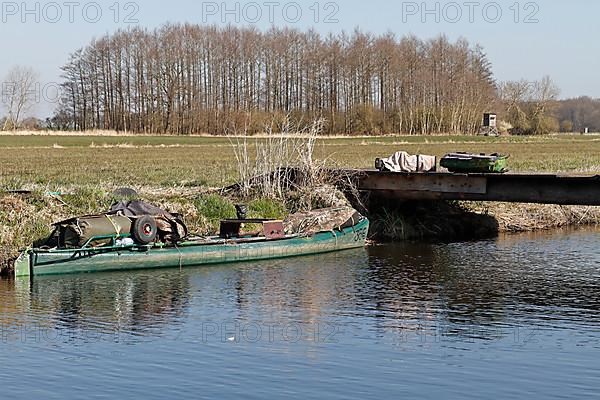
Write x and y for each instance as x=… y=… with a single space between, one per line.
x=215 y=208
x=267 y=208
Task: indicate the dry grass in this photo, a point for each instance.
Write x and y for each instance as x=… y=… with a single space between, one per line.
x=514 y=218
x=181 y=162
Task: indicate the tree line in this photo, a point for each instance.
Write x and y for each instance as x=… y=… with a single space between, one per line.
x=189 y=79
x=533 y=108
x=579 y=114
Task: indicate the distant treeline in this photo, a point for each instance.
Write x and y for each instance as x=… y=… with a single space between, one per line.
x=575 y=115
x=187 y=79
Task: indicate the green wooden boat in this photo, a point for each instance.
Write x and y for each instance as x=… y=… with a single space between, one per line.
x=475 y=163
x=201 y=251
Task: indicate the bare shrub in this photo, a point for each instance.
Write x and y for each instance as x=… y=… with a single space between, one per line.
x=279 y=160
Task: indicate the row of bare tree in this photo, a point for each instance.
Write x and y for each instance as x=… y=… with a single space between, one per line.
x=187 y=79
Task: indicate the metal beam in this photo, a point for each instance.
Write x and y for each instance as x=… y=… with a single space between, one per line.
x=514 y=188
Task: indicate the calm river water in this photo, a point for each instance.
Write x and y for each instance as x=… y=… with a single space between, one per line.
x=517 y=317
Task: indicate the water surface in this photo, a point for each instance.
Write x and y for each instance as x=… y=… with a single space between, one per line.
x=517 y=317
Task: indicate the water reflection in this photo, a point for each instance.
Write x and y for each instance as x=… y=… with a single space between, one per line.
x=466 y=291
x=130 y=304
x=480 y=288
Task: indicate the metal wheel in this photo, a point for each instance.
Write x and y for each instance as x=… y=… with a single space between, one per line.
x=144 y=230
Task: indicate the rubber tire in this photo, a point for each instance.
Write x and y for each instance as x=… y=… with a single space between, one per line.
x=144 y=230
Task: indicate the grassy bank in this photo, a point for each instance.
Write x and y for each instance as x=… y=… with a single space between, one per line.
x=173 y=172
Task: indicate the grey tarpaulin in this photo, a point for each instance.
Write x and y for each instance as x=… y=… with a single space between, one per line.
x=404 y=162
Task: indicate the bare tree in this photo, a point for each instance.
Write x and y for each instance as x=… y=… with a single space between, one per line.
x=545 y=94
x=529 y=105
x=18 y=94
x=515 y=94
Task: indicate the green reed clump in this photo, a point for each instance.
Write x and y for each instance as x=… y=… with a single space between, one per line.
x=213 y=208
x=267 y=208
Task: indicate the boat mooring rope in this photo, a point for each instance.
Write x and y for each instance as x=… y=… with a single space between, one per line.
x=117 y=228
x=180 y=257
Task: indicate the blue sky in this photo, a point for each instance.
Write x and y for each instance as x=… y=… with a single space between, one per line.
x=555 y=38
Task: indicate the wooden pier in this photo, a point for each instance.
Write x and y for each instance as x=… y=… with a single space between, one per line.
x=514 y=188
